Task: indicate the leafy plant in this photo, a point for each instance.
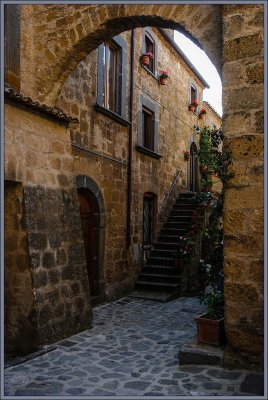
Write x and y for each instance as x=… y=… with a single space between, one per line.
x=215 y=304
x=207 y=153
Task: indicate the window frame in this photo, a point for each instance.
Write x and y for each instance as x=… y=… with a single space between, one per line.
x=152 y=37
x=148 y=137
x=145 y=103
x=119 y=43
x=193 y=86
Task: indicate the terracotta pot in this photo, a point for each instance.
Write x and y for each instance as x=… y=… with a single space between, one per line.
x=206 y=188
x=145 y=60
x=179 y=263
x=162 y=81
x=202 y=116
x=191 y=108
x=210 y=331
x=202 y=168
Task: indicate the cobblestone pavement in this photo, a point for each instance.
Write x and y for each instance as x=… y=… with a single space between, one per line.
x=132 y=350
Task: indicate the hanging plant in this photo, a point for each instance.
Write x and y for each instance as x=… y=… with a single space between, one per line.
x=163 y=77
x=145 y=58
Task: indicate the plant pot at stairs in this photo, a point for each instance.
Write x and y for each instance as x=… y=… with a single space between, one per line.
x=210 y=331
x=179 y=263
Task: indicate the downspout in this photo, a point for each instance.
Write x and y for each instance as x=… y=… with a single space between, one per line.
x=129 y=169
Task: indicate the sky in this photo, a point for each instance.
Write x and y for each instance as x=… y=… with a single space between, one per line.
x=203 y=64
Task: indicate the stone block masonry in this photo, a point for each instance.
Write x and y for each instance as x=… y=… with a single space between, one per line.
x=57 y=257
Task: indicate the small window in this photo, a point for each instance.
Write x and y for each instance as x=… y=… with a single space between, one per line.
x=111 y=72
x=148 y=128
x=150 y=47
x=193 y=94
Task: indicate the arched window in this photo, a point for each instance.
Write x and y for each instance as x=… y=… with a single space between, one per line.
x=193 y=173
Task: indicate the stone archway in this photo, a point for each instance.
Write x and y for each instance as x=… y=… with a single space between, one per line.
x=86 y=184
x=64 y=35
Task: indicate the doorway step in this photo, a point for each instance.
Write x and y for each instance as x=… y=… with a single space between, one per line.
x=159 y=278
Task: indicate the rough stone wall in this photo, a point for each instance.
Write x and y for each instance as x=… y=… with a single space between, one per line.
x=175 y=127
x=20 y=317
x=38 y=154
x=101 y=137
x=212 y=117
x=243 y=211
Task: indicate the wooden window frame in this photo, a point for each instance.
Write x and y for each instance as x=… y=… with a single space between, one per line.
x=148 y=38
x=103 y=83
x=108 y=82
x=193 y=88
x=148 y=137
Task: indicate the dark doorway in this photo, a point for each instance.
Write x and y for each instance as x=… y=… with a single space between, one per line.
x=194 y=178
x=89 y=212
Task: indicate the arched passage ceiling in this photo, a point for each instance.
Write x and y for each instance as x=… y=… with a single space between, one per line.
x=60 y=36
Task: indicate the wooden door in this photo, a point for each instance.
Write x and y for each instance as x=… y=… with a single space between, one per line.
x=194 y=186
x=87 y=213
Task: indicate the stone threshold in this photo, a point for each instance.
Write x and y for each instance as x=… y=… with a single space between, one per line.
x=193 y=352
x=23 y=359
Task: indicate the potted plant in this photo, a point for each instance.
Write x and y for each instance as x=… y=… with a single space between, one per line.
x=187 y=155
x=202 y=113
x=145 y=58
x=163 y=77
x=206 y=183
x=193 y=105
x=210 y=326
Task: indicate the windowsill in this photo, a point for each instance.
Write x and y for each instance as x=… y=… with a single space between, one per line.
x=149 y=72
x=148 y=152
x=111 y=114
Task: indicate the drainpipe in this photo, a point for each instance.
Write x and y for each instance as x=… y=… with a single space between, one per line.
x=129 y=169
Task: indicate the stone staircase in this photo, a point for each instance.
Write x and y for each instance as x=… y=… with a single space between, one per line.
x=159 y=279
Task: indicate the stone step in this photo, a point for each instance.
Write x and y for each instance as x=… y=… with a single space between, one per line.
x=158 y=278
x=156 y=285
x=163 y=296
x=184 y=225
x=177 y=217
x=186 y=195
x=166 y=246
x=184 y=206
x=160 y=269
x=173 y=231
x=160 y=261
x=182 y=213
x=156 y=253
x=169 y=238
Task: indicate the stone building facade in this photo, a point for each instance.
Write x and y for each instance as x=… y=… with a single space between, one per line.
x=96 y=164
x=44 y=168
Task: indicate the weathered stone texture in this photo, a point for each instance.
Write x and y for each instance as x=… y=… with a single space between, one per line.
x=58 y=246
x=21 y=336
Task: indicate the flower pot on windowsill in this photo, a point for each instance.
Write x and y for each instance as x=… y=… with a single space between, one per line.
x=202 y=116
x=210 y=331
x=145 y=60
x=191 y=107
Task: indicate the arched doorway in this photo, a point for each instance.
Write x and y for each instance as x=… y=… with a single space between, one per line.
x=193 y=173
x=89 y=212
